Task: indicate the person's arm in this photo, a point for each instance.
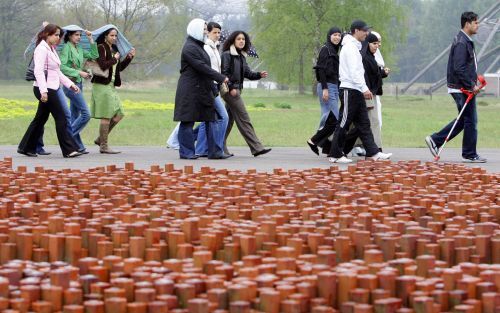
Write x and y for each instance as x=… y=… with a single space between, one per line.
x=66 y=68
x=123 y=65
x=460 y=55
x=40 y=57
x=226 y=70
x=321 y=67
x=354 y=63
x=92 y=53
x=103 y=63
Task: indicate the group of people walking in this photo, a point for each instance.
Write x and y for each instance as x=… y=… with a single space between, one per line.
x=349 y=68
x=207 y=78
x=52 y=69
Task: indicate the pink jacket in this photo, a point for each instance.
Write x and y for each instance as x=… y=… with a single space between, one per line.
x=46 y=57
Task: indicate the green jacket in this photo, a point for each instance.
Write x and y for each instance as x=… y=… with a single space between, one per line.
x=72 y=59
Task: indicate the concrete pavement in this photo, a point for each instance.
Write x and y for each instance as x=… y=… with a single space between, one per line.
x=280 y=157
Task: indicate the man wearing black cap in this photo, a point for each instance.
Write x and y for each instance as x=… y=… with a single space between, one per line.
x=353 y=92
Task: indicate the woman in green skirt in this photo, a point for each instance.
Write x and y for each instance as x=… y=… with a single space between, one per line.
x=105 y=103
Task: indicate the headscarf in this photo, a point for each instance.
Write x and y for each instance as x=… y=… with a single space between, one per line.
x=329 y=43
x=196 y=29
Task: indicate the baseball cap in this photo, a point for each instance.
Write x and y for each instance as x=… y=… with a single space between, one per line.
x=359 y=24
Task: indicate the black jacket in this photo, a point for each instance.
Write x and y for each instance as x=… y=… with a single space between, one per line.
x=106 y=61
x=234 y=65
x=327 y=66
x=373 y=73
x=462 y=72
x=194 y=98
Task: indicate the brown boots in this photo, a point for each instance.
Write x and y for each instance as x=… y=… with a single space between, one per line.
x=102 y=140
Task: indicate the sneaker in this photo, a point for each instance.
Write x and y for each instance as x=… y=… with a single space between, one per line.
x=358 y=151
x=476 y=159
x=432 y=145
x=341 y=160
x=380 y=156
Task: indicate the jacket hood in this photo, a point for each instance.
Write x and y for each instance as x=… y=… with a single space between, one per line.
x=350 y=39
x=195 y=29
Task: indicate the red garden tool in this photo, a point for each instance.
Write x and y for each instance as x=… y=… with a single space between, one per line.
x=470 y=95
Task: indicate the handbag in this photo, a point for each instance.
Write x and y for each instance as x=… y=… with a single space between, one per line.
x=224 y=89
x=95 y=69
x=30 y=71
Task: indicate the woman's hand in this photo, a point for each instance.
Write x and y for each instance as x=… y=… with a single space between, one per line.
x=226 y=80
x=234 y=92
x=117 y=56
x=44 y=97
x=325 y=95
x=131 y=54
x=387 y=70
x=84 y=74
x=263 y=74
x=75 y=88
x=89 y=36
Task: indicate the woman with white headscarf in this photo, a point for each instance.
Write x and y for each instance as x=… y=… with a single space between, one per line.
x=194 y=98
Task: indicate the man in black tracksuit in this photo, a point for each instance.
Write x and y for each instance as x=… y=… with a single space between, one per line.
x=462 y=73
x=353 y=92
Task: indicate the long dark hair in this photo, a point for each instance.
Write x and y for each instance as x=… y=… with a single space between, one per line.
x=68 y=34
x=232 y=38
x=49 y=30
x=101 y=38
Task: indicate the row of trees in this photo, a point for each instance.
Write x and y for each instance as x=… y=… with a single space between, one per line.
x=286 y=33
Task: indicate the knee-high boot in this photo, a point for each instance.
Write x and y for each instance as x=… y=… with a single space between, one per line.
x=112 y=124
x=103 y=135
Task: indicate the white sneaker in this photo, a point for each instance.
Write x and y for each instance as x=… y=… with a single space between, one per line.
x=358 y=151
x=380 y=156
x=341 y=160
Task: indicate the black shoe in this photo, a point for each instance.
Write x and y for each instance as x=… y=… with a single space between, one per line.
x=43 y=152
x=263 y=151
x=220 y=157
x=432 y=146
x=313 y=147
x=194 y=157
x=73 y=154
x=202 y=155
x=30 y=154
x=83 y=151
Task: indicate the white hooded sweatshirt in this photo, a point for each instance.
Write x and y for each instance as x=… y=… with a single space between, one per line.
x=196 y=29
x=351 y=70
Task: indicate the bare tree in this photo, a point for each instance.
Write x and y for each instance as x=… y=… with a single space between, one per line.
x=19 y=20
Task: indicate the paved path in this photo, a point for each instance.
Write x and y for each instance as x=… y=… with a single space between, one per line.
x=286 y=158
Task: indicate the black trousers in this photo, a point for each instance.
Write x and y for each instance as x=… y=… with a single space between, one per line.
x=325 y=132
x=352 y=111
x=35 y=129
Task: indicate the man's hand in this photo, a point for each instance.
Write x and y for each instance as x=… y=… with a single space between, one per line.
x=368 y=95
x=325 y=95
x=263 y=74
x=44 y=97
x=476 y=90
x=84 y=74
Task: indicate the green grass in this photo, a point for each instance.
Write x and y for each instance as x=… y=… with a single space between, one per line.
x=280 y=118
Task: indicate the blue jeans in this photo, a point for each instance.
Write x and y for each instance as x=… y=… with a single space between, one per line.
x=67 y=114
x=80 y=113
x=218 y=128
x=467 y=123
x=332 y=105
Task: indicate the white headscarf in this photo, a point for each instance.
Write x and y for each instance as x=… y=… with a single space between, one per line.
x=378 y=55
x=196 y=29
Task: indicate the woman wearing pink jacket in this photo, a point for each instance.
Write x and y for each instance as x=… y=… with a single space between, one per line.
x=48 y=80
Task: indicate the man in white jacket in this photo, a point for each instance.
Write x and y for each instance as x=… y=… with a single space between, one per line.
x=353 y=92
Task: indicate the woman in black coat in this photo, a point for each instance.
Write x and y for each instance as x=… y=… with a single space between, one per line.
x=194 y=98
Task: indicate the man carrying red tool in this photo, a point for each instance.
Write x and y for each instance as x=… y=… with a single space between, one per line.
x=462 y=76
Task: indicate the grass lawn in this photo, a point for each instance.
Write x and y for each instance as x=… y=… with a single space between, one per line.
x=280 y=118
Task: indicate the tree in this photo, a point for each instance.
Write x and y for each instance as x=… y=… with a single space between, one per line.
x=289 y=33
x=20 y=20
